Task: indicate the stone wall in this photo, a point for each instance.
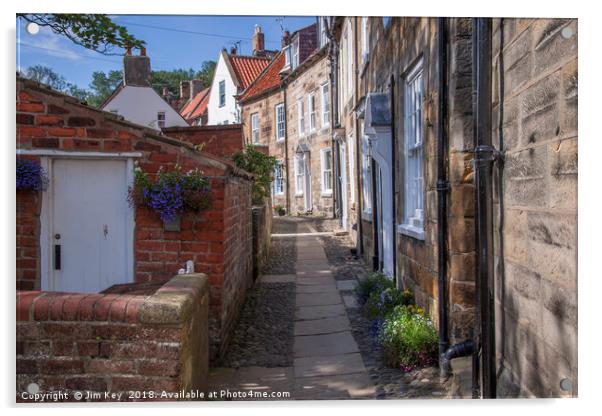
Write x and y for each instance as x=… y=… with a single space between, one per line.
x=401 y=45
x=114 y=343
x=218 y=239
x=536 y=266
x=265 y=107
x=308 y=78
x=262 y=231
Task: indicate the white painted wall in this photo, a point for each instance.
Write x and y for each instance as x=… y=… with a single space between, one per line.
x=215 y=113
x=140 y=105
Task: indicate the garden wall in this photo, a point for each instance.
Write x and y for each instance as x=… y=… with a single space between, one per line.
x=223 y=140
x=218 y=239
x=115 y=343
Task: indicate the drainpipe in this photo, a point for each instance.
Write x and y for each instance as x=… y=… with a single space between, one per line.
x=334 y=113
x=442 y=184
x=358 y=179
x=484 y=157
x=393 y=169
x=288 y=183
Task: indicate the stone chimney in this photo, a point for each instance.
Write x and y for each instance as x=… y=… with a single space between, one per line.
x=286 y=38
x=233 y=50
x=136 y=69
x=196 y=86
x=185 y=90
x=258 y=42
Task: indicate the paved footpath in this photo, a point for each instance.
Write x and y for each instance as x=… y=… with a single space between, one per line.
x=327 y=363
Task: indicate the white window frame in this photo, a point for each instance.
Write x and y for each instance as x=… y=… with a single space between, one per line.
x=349 y=59
x=299 y=173
x=255 y=128
x=301 y=117
x=413 y=200
x=278 y=184
x=311 y=105
x=325 y=91
x=366 y=177
x=161 y=119
x=351 y=157
x=222 y=94
x=326 y=174
x=287 y=56
x=365 y=40
x=280 y=117
x=295 y=54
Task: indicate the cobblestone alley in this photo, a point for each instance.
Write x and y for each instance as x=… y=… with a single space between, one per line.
x=301 y=335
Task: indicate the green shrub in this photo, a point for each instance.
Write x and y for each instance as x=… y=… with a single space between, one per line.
x=375 y=282
x=379 y=305
x=261 y=166
x=409 y=338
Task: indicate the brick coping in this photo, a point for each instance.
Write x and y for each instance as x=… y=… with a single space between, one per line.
x=172 y=303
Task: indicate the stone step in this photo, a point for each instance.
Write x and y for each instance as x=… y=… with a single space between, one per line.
x=310 y=281
x=319 y=288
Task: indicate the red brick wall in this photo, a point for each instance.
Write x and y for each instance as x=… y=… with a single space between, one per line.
x=48 y=120
x=222 y=140
x=74 y=342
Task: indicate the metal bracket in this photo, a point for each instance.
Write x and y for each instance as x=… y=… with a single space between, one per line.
x=442 y=185
x=485 y=154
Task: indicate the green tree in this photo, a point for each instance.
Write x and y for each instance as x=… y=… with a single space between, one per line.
x=259 y=164
x=102 y=85
x=96 y=32
x=48 y=76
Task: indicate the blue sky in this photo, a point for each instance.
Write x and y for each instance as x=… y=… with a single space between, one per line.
x=168 y=49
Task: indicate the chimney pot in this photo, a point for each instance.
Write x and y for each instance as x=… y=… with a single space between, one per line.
x=258 y=42
x=233 y=50
x=286 y=38
x=142 y=51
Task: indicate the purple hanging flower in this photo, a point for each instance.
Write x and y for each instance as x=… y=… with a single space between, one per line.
x=30 y=175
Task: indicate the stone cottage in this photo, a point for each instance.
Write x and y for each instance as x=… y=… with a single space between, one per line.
x=501 y=278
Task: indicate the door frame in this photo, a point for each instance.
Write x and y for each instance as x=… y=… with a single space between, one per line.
x=47 y=280
x=307 y=199
x=344 y=192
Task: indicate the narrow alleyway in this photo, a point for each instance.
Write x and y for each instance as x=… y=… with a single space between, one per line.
x=300 y=334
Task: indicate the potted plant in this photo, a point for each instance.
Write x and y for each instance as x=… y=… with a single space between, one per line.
x=171 y=194
x=279 y=208
x=30 y=175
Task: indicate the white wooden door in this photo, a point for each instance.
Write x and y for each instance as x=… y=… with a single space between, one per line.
x=90 y=226
x=344 y=200
x=307 y=182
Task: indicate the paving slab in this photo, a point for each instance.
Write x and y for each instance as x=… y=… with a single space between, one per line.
x=348 y=386
x=350 y=301
x=311 y=255
x=310 y=281
x=314 y=268
x=319 y=288
x=313 y=273
x=313 y=263
x=318 y=312
x=322 y=326
x=327 y=344
x=277 y=278
x=259 y=379
x=346 y=284
x=317 y=299
x=329 y=366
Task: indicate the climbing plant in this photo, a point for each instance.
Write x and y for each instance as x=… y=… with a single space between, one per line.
x=261 y=166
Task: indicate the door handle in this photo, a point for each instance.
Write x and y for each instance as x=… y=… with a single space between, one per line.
x=57 y=257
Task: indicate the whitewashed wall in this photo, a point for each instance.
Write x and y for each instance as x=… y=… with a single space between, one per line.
x=215 y=113
x=140 y=105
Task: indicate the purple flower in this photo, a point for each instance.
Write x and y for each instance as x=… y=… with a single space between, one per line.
x=30 y=175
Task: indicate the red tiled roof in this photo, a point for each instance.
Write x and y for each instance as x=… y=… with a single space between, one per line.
x=269 y=78
x=247 y=68
x=196 y=106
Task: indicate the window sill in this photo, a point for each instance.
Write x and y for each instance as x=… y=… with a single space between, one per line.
x=326 y=194
x=411 y=231
x=280 y=140
x=298 y=195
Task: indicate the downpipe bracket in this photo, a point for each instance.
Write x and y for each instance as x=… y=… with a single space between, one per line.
x=486 y=155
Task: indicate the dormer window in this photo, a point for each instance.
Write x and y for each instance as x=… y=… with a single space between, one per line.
x=287 y=56
x=295 y=53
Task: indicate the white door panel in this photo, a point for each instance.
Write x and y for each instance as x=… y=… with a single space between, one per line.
x=90 y=220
